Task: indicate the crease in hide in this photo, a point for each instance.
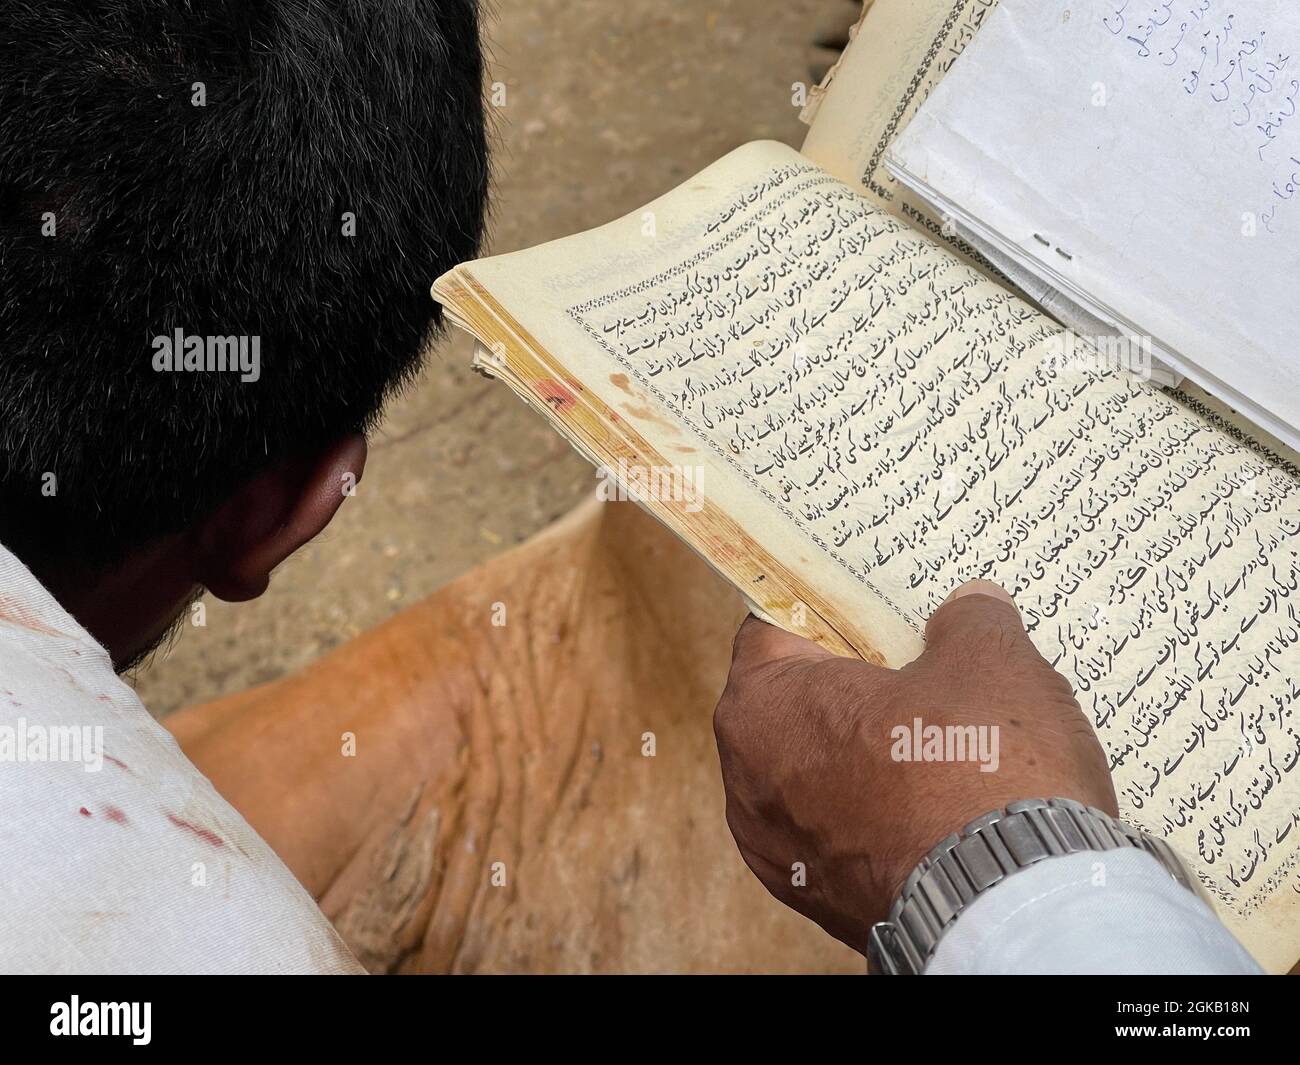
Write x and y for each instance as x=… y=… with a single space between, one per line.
x=376 y=923
x=474 y=804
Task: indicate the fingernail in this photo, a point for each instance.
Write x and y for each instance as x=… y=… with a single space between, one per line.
x=988 y=588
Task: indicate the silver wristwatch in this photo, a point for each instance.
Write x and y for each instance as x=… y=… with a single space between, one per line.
x=986 y=851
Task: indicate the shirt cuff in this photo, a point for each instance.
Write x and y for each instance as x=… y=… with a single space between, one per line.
x=1112 y=911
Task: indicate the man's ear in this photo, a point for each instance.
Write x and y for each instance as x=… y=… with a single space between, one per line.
x=273 y=515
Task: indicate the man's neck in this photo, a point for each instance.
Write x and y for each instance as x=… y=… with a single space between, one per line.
x=131 y=607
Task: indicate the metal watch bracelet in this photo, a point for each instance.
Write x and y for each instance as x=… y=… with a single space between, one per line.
x=985 y=852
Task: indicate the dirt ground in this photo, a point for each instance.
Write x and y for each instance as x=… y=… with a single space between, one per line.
x=609 y=103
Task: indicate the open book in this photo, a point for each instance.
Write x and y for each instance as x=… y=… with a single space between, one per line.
x=835 y=400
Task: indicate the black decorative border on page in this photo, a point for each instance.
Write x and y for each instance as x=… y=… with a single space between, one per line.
x=891 y=130
x=1228 y=428
x=577 y=313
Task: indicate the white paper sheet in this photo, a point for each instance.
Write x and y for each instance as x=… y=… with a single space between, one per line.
x=1142 y=159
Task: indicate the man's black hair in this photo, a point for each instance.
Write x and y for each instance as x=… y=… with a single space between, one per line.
x=194 y=165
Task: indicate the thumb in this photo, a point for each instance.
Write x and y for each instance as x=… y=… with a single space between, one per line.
x=978 y=614
x=758 y=642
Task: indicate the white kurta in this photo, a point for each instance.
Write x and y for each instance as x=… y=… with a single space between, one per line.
x=116 y=854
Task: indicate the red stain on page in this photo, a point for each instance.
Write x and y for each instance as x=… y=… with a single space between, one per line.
x=205 y=834
x=556 y=393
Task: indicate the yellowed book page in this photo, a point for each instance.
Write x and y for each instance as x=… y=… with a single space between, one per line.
x=818 y=92
x=902 y=49
x=889 y=423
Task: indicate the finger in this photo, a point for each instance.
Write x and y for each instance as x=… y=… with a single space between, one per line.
x=989 y=588
x=977 y=611
x=757 y=642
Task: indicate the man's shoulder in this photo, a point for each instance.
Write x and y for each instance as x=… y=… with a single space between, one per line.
x=120 y=855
